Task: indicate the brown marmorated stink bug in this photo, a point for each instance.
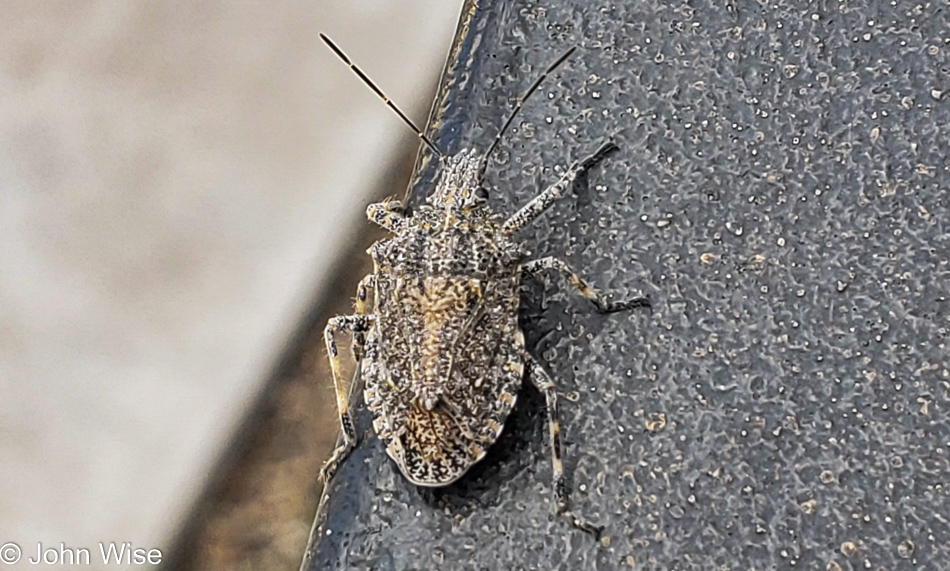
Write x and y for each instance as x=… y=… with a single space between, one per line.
x=440 y=353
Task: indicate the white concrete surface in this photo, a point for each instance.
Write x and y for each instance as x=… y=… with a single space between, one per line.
x=175 y=179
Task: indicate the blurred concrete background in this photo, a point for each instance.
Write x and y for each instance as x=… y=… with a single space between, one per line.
x=177 y=179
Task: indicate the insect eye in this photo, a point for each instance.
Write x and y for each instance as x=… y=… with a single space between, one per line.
x=481 y=195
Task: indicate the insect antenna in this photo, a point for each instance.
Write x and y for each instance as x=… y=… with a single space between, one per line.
x=379 y=92
x=520 y=104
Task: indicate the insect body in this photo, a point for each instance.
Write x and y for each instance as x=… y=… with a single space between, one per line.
x=439 y=349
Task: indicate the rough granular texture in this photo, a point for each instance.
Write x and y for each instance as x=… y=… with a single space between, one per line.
x=781 y=193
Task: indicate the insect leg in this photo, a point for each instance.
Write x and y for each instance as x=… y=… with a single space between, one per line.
x=533 y=268
x=388 y=215
x=352 y=323
x=362 y=308
x=362 y=294
x=542 y=381
x=541 y=202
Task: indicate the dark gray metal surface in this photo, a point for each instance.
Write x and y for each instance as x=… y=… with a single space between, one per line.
x=781 y=194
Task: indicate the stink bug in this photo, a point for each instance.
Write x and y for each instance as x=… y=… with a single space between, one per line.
x=439 y=350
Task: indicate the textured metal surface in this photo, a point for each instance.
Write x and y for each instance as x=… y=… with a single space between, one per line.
x=781 y=194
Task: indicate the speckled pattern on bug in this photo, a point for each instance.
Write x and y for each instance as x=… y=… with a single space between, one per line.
x=439 y=349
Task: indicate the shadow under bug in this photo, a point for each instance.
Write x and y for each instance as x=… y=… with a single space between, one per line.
x=439 y=349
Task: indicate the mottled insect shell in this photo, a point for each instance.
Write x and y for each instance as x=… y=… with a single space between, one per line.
x=441 y=355
x=443 y=362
